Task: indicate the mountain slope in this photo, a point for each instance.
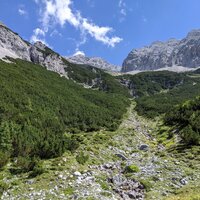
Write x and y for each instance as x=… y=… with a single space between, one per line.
x=170 y=54
x=12 y=45
x=94 y=61
x=42 y=106
x=157 y=92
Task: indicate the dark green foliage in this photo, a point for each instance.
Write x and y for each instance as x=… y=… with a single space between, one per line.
x=158 y=92
x=81 y=158
x=186 y=118
x=152 y=106
x=25 y=164
x=71 y=142
x=38 y=106
x=146 y=184
x=96 y=78
x=150 y=83
x=132 y=169
x=3 y=187
x=37 y=170
x=5 y=137
x=4 y=158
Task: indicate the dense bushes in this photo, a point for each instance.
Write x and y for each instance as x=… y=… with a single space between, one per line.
x=38 y=106
x=82 y=158
x=150 y=83
x=186 y=118
x=96 y=78
x=157 y=92
x=4 y=158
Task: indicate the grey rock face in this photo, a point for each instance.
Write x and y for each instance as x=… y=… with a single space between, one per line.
x=94 y=61
x=51 y=61
x=185 y=53
x=12 y=45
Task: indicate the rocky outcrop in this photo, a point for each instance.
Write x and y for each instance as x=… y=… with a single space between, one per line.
x=184 y=53
x=94 y=61
x=41 y=54
x=12 y=45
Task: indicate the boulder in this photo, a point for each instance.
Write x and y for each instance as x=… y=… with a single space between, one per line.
x=144 y=147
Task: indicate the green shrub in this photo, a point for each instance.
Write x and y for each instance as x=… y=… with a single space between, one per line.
x=104 y=185
x=26 y=164
x=186 y=119
x=4 y=158
x=3 y=187
x=106 y=194
x=71 y=142
x=132 y=169
x=81 y=158
x=69 y=191
x=37 y=170
x=147 y=184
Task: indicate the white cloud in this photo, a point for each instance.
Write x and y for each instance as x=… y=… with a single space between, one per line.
x=55 y=33
x=122 y=5
x=22 y=10
x=123 y=10
x=60 y=12
x=38 y=35
x=100 y=33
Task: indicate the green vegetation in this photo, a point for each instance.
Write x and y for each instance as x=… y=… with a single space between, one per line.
x=150 y=83
x=147 y=184
x=96 y=78
x=40 y=111
x=69 y=191
x=3 y=187
x=157 y=92
x=186 y=193
x=132 y=169
x=81 y=158
x=186 y=118
x=4 y=158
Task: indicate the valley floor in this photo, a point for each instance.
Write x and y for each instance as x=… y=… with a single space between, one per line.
x=126 y=164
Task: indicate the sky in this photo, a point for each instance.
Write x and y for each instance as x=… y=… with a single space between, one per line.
x=102 y=28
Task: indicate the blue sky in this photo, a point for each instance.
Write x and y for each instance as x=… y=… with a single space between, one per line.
x=104 y=28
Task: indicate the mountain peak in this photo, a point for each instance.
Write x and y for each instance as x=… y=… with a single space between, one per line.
x=92 y=61
x=172 y=53
x=40 y=45
x=194 y=34
x=2 y=24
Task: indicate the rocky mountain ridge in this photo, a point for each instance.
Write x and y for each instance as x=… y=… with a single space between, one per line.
x=184 y=53
x=93 y=61
x=12 y=45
